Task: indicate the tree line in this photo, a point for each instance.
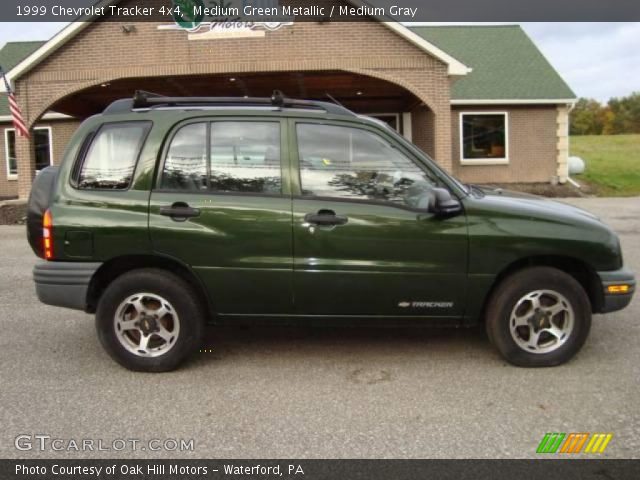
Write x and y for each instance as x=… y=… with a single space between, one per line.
x=619 y=115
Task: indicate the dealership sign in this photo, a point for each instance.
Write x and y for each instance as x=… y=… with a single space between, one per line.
x=211 y=19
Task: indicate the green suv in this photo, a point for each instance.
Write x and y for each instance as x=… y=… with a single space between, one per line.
x=168 y=213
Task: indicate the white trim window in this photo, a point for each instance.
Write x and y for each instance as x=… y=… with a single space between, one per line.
x=43 y=144
x=484 y=138
x=10 y=153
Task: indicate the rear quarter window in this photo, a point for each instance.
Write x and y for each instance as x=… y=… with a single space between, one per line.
x=110 y=160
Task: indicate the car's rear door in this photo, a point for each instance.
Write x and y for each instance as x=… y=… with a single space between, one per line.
x=222 y=205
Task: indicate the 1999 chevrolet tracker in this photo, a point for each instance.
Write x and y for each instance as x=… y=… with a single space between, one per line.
x=167 y=213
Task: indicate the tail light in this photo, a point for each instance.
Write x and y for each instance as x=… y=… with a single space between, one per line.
x=47 y=235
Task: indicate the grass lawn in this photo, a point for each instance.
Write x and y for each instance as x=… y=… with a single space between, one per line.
x=612 y=163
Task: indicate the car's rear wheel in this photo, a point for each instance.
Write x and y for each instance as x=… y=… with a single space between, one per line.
x=538 y=317
x=149 y=320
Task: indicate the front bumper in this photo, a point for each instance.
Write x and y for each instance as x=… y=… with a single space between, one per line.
x=616 y=301
x=64 y=284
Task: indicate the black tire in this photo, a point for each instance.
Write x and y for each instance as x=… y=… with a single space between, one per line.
x=505 y=298
x=177 y=293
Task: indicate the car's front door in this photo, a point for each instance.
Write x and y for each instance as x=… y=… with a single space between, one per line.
x=222 y=205
x=365 y=240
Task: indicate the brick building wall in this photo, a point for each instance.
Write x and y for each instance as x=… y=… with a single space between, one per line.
x=532 y=146
x=422 y=129
x=62 y=132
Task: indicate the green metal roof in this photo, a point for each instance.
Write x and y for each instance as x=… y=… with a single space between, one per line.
x=506 y=63
x=11 y=55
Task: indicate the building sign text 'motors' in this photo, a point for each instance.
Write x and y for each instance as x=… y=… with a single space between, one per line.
x=211 y=19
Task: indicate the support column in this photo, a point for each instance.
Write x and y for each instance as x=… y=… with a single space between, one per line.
x=563 y=143
x=26 y=157
x=423 y=130
x=432 y=133
x=442 y=136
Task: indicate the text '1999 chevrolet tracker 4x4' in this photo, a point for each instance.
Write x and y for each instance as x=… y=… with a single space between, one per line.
x=167 y=213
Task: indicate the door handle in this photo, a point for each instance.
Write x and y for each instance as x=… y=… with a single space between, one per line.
x=179 y=211
x=325 y=218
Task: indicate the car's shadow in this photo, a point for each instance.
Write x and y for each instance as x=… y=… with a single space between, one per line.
x=304 y=343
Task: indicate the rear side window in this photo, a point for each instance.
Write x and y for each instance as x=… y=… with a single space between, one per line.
x=185 y=167
x=225 y=156
x=111 y=158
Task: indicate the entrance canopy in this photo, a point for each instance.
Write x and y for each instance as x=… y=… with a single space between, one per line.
x=360 y=93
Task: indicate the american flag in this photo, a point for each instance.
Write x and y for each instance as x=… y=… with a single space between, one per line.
x=16 y=113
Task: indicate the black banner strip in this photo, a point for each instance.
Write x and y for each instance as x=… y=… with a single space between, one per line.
x=196 y=11
x=547 y=469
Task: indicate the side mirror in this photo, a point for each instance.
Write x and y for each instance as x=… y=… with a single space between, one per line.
x=445 y=205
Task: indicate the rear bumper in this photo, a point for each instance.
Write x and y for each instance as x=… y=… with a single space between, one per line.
x=64 y=284
x=614 y=302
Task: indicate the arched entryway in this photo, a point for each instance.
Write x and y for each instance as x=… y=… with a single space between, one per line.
x=360 y=93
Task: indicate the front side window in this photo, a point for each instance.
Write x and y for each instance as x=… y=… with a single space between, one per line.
x=241 y=157
x=111 y=158
x=484 y=136
x=10 y=152
x=350 y=163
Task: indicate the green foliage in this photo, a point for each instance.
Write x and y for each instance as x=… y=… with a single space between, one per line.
x=587 y=118
x=620 y=115
x=612 y=163
x=625 y=115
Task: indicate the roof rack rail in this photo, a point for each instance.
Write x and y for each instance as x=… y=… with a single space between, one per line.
x=143 y=99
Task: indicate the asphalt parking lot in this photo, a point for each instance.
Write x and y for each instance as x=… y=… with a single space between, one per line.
x=303 y=393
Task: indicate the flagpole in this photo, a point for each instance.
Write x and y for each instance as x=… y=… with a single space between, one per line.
x=14 y=108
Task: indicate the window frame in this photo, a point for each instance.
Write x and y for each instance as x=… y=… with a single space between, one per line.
x=396 y=115
x=50 y=131
x=10 y=176
x=85 y=148
x=284 y=156
x=14 y=176
x=484 y=161
x=297 y=186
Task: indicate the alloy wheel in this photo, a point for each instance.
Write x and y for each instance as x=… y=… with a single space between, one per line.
x=541 y=321
x=146 y=325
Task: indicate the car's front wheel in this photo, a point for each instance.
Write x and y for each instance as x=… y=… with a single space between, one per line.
x=538 y=317
x=149 y=320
